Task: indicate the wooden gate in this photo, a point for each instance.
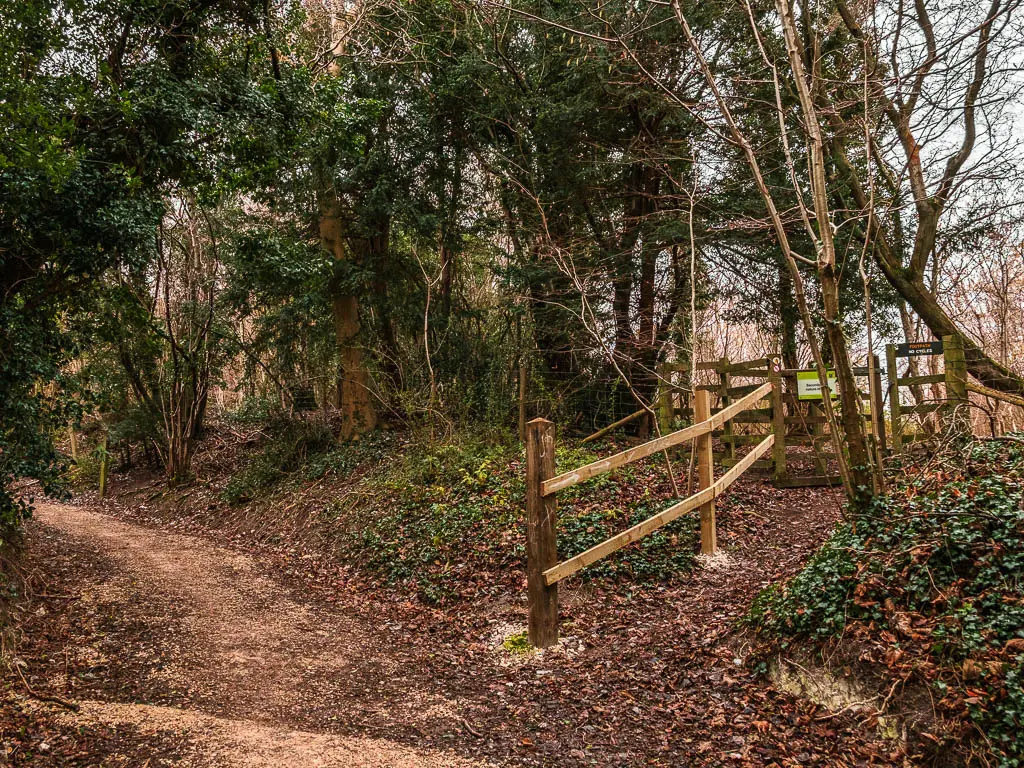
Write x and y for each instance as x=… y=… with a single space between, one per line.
x=953 y=378
x=802 y=455
x=801 y=424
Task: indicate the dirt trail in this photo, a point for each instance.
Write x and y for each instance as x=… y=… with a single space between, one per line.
x=266 y=679
x=181 y=652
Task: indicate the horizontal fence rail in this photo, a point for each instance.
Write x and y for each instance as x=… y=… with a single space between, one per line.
x=543 y=570
x=653 y=523
x=569 y=479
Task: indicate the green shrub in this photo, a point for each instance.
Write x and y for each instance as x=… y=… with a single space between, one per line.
x=86 y=471
x=814 y=602
x=657 y=557
x=439 y=508
x=518 y=644
x=256 y=411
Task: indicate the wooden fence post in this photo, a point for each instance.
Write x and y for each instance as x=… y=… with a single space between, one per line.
x=778 y=419
x=816 y=430
x=541 y=547
x=956 y=384
x=104 y=462
x=705 y=473
x=876 y=399
x=892 y=373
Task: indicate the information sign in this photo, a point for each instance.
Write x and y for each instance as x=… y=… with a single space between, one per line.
x=808 y=387
x=919 y=348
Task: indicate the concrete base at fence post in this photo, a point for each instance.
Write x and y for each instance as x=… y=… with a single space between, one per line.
x=541 y=545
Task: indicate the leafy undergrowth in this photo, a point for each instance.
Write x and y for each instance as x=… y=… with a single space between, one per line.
x=443 y=521
x=438 y=513
x=292 y=446
x=928 y=585
x=12 y=591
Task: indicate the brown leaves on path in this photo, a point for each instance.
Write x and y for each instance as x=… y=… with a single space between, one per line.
x=254 y=653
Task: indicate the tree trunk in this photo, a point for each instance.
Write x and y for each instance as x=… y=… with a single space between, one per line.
x=198 y=427
x=850 y=484
x=913 y=369
x=178 y=460
x=375 y=252
x=909 y=280
x=358 y=414
x=862 y=480
x=553 y=326
x=449 y=234
x=645 y=377
x=789 y=316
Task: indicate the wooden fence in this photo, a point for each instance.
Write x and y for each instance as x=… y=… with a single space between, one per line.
x=953 y=377
x=542 y=484
x=797 y=424
x=788 y=421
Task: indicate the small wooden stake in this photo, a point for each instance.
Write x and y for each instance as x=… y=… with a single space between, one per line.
x=541 y=546
x=876 y=400
x=892 y=372
x=104 y=461
x=705 y=473
x=778 y=420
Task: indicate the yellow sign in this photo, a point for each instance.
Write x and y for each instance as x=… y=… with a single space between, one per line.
x=808 y=387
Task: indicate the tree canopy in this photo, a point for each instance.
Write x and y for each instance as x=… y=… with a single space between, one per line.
x=397 y=210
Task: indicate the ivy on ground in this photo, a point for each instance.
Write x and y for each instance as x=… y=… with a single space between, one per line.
x=932 y=574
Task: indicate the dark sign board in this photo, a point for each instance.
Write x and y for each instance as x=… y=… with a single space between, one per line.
x=916 y=348
x=303 y=398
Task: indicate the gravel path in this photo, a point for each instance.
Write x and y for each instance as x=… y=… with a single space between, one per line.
x=181 y=652
x=263 y=677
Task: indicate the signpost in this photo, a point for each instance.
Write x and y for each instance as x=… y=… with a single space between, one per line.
x=955 y=374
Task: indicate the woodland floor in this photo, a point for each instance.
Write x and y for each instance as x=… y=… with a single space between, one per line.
x=180 y=651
